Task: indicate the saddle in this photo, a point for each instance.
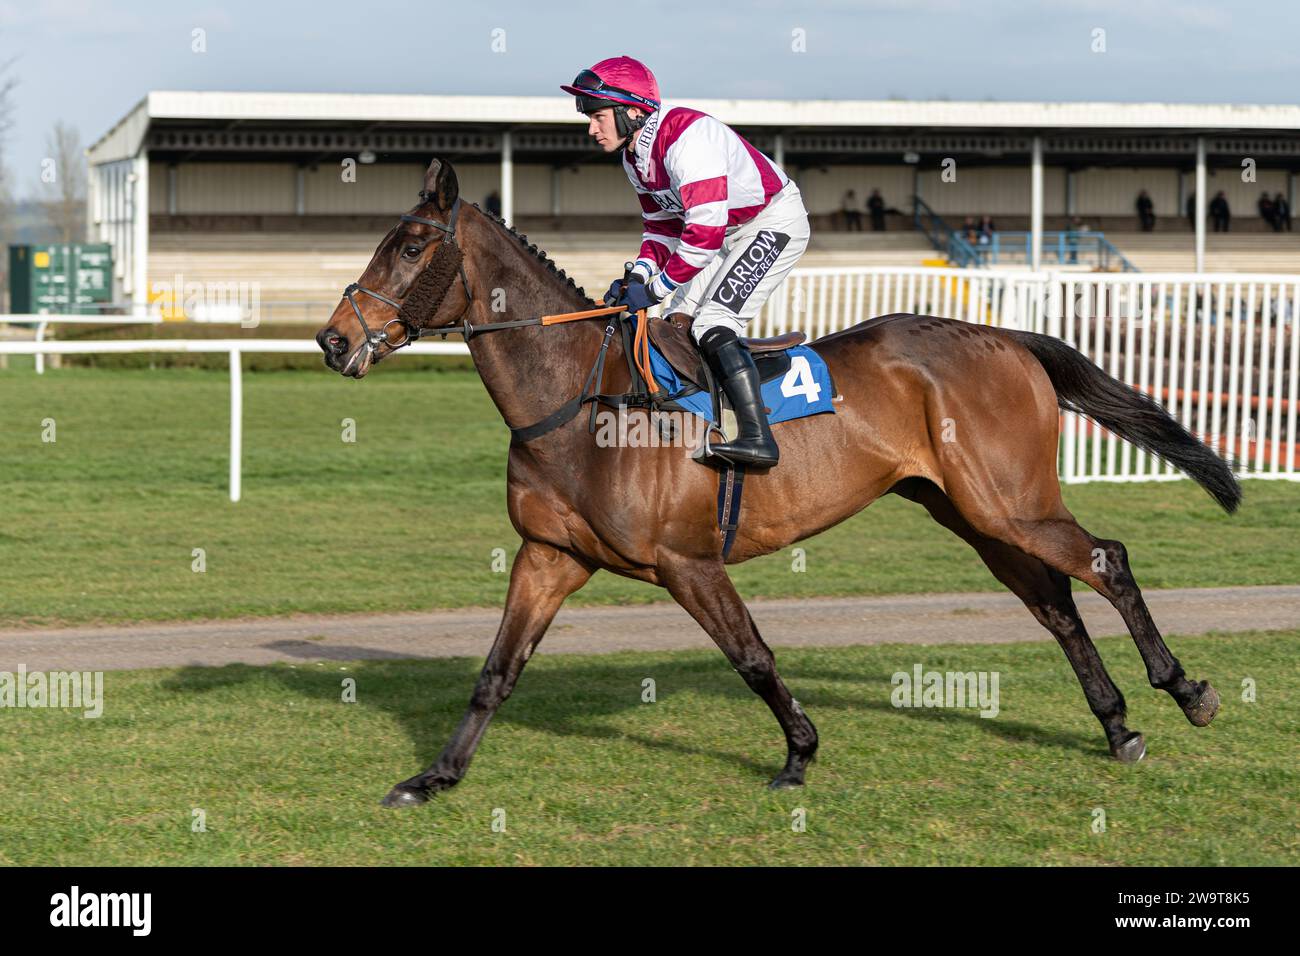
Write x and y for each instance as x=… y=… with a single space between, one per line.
x=671 y=335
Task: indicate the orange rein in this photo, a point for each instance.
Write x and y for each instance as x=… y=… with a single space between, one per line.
x=640 y=343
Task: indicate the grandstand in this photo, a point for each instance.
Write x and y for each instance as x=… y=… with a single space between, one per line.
x=248 y=186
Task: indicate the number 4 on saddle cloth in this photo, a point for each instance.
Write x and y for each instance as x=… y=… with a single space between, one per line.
x=795 y=380
x=795 y=384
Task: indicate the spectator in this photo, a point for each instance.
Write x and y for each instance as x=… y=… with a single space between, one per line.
x=986 y=230
x=1146 y=211
x=1282 y=210
x=1220 y=214
x=969 y=231
x=876 y=206
x=1267 y=212
x=852 y=217
x=493 y=204
x=1077 y=226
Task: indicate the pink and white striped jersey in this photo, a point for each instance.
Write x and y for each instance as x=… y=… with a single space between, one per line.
x=695 y=176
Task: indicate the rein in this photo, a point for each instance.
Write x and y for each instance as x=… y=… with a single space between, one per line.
x=638 y=354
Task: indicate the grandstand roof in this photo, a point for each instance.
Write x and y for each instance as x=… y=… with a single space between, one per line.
x=127 y=135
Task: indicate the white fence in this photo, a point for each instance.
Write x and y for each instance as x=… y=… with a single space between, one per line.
x=234 y=347
x=1221 y=352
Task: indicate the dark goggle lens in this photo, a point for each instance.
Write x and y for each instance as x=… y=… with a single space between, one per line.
x=587 y=80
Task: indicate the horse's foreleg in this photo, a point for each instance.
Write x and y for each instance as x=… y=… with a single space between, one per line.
x=541 y=578
x=706 y=592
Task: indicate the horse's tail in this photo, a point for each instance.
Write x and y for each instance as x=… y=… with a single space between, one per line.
x=1084 y=388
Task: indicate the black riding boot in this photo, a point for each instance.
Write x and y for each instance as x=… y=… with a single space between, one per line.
x=734 y=366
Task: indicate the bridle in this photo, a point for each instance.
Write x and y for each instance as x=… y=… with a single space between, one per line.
x=636 y=348
x=410 y=333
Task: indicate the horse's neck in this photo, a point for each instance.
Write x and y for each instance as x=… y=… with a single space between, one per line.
x=532 y=371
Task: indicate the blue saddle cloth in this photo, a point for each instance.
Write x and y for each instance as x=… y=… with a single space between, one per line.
x=802 y=390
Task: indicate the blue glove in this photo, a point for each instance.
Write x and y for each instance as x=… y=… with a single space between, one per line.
x=615 y=294
x=640 y=295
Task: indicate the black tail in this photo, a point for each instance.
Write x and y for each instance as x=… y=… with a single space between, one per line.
x=1084 y=388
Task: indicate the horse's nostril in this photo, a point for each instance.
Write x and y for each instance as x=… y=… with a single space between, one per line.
x=331 y=341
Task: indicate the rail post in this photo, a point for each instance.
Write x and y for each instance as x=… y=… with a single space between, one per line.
x=236 y=421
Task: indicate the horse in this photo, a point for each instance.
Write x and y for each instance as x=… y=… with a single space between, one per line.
x=961 y=418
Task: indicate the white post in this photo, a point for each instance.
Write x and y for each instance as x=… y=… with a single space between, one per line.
x=300 y=191
x=40 y=356
x=507 y=179
x=140 y=236
x=236 y=421
x=778 y=151
x=1036 y=205
x=1201 y=203
x=556 y=173
x=173 y=174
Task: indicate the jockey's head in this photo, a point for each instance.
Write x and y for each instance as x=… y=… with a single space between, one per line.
x=617 y=95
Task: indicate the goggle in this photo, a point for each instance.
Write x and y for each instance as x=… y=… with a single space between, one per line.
x=592 y=83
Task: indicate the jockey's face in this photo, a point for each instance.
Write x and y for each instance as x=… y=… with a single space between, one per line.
x=603 y=128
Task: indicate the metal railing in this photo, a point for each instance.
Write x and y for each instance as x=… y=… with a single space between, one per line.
x=943 y=237
x=1065 y=247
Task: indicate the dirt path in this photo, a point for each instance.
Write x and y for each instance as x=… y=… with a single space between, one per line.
x=909 y=619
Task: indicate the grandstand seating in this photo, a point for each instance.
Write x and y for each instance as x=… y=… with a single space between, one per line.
x=1230 y=252
x=301 y=273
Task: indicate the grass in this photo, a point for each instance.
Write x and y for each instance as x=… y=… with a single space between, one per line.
x=101 y=525
x=586 y=773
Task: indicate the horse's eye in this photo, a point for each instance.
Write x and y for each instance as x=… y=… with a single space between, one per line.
x=411 y=252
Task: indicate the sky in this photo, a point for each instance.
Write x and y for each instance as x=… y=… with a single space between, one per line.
x=87 y=62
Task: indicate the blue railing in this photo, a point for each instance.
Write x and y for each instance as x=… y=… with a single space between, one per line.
x=943 y=237
x=1066 y=247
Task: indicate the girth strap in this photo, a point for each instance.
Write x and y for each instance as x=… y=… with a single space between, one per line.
x=731 y=483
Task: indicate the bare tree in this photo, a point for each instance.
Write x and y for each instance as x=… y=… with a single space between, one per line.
x=63 y=175
x=7 y=85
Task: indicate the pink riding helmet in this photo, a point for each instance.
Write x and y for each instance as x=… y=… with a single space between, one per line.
x=619 y=79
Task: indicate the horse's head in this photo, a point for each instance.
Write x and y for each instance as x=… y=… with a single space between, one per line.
x=403 y=290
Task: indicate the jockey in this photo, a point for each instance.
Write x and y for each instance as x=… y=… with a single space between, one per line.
x=723 y=224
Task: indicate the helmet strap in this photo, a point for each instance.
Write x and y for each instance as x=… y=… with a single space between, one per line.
x=624 y=124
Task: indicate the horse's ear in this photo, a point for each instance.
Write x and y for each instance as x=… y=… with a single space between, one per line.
x=440 y=183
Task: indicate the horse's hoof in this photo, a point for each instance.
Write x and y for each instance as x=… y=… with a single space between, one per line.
x=1131 y=750
x=1202 y=710
x=785 y=783
x=404 y=796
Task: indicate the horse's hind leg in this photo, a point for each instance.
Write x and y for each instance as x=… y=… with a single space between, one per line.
x=1107 y=571
x=1046 y=592
x=540 y=579
x=1056 y=538
x=706 y=592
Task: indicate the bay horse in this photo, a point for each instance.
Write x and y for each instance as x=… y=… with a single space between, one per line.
x=961 y=418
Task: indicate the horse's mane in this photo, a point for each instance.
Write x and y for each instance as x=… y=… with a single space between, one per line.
x=538 y=254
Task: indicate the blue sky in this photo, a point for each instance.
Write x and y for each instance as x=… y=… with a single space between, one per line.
x=88 y=61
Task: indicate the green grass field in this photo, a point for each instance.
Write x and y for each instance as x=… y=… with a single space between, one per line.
x=286 y=773
x=100 y=525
